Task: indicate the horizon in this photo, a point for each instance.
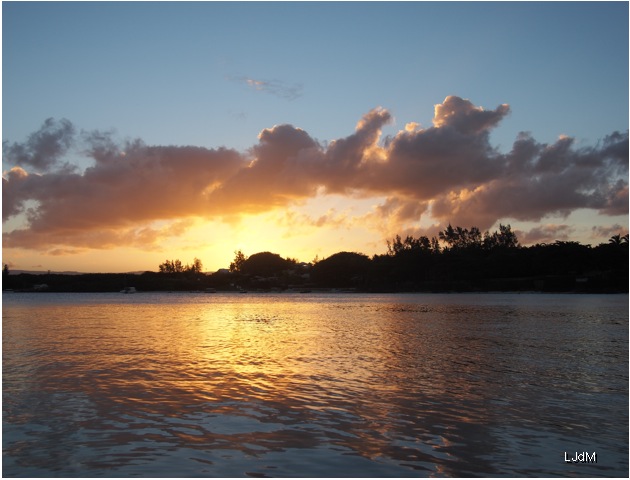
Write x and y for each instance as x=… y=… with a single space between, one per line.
x=204 y=271
x=223 y=136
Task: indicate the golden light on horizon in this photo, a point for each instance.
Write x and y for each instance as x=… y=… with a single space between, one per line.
x=293 y=195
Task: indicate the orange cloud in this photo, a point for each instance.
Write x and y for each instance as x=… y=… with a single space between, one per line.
x=449 y=171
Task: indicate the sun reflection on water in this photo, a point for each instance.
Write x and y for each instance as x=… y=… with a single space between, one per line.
x=234 y=383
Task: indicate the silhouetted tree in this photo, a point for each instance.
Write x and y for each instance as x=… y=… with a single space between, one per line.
x=618 y=240
x=448 y=235
x=615 y=240
x=167 y=267
x=266 y=264
x=197 y=266
x=435 y=245
x=410 y=244
x=176 y=266
x=343 y=269
x=5 y=276
x=237 y=263
x=504 y=238
x=459 y=238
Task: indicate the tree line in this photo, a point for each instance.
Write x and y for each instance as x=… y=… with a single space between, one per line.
x=176 y=266
x=458 y=259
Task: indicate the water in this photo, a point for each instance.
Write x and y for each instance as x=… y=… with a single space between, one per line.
x=319 y=385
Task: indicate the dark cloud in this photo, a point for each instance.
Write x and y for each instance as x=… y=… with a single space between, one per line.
x=352 y=163
x=449 y=170
x=427 y=162
x=547 y=233
x=541 y=180
x=599 y=231
x=43 y=148
x=276 y=173
x=465 y=117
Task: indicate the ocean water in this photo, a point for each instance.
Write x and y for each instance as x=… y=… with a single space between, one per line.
x=314 y=385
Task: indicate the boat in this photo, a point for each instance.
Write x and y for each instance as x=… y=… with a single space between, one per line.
x=128 y=290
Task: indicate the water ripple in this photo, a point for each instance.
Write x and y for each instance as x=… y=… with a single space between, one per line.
x=355 y=385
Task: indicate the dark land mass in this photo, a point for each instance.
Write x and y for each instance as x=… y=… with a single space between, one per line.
x=411 y=265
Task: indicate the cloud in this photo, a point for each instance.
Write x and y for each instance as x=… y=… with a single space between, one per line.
x=426 y=162
x=277 y=88
x=599 y=232
x=43 y=148
x=292 y=220
x=449 y=171
x=535 y=180
x=547 y=233
x=145 y=237
x=273 y=176
x=112 y=201
x=465 y=117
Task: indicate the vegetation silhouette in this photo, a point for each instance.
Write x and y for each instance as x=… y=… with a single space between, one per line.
x=343 y=269
x=266 y=264
x=459 y=259
x=176 y=266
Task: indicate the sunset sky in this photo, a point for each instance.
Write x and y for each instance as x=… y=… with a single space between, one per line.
x=138 y=132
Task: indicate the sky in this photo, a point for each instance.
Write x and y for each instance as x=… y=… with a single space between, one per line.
x=135 y=132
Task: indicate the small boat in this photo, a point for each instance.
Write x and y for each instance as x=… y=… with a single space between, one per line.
x=128 y=290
